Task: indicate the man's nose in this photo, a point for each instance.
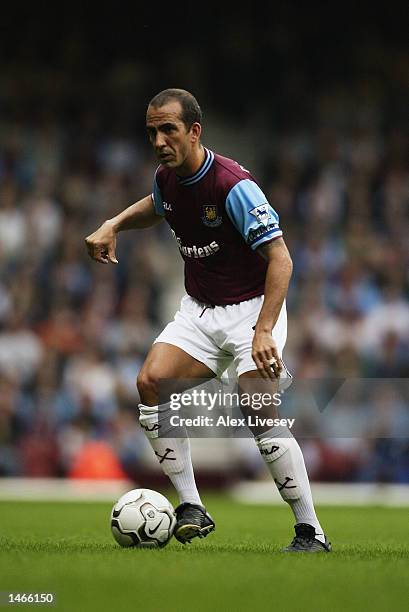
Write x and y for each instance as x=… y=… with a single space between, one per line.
x=160 y=140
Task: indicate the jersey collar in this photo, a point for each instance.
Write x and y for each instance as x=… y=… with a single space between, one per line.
x=204 y=168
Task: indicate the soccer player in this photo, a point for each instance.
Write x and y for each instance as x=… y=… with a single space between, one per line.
x=237 y=271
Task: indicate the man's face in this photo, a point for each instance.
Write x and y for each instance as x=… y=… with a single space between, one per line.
x=168 y=134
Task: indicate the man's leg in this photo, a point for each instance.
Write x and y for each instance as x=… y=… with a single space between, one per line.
x=171 y=444
x=285 y=462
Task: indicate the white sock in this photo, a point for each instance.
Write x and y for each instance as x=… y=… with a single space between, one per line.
x=285 y=461
x=173 y=453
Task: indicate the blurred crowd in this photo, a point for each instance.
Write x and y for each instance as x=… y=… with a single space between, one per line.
x=74 y=333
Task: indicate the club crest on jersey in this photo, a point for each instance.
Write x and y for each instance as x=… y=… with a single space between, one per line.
x=211 y=217
x=261 y=213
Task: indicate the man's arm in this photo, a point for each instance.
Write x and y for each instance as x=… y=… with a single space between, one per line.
x=276 y=285
x=101 y=244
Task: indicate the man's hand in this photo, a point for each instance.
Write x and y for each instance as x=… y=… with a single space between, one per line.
x=265 y=355
x=101 y=244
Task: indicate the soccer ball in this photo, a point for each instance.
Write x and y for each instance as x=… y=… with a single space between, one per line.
x=142 y=518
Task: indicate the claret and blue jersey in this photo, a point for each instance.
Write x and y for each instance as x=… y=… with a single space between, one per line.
x=219 y=217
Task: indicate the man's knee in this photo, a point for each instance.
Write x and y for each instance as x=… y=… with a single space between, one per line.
x=147 y=384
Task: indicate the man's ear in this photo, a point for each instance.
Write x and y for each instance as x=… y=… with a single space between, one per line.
x=195 y=131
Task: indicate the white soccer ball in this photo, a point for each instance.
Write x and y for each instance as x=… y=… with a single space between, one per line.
x=143 y=518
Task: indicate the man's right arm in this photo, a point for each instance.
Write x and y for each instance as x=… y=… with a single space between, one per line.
x=101 y=244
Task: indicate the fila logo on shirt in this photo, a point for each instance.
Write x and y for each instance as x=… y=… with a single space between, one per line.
x=261 y=213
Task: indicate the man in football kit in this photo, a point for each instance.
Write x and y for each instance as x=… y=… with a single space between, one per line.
x=237 y=271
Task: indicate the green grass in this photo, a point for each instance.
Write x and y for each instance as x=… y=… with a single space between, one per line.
x=68 y=548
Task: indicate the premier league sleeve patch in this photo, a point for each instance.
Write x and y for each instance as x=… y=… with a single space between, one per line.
x=261 y=213
x=210 y=217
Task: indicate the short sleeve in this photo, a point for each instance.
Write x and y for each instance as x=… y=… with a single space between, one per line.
x=251 y=214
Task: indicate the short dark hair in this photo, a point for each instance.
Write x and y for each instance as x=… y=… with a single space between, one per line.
x=191 y=111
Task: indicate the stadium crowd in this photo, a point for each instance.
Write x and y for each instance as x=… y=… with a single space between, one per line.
x=73 y=333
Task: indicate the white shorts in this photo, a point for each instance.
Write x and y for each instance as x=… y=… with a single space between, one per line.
x=221 y=335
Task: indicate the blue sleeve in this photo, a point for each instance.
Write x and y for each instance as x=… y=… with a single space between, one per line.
x=251 y=214
x=157 y=199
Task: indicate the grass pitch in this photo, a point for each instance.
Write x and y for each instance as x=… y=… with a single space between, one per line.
x=67 y=548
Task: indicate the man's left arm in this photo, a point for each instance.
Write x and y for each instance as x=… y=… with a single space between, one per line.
x=258 y=223
x=278 y=276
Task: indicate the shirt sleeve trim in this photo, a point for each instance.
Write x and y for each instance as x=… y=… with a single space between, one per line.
x=266 y=237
